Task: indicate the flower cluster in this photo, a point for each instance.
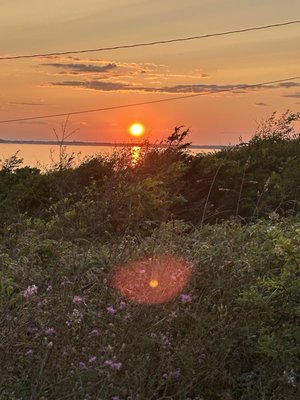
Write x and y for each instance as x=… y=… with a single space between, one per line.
x=75 y=317
x=111 y=310
x=30 y=291
x=113 y=365
x=77 y=300
x=185 y=298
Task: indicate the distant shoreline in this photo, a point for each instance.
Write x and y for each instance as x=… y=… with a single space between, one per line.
x=77 y=143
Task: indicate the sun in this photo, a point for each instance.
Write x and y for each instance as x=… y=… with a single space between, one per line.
x=136 y=129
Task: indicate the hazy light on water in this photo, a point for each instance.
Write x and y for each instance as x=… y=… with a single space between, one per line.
x=135 y=154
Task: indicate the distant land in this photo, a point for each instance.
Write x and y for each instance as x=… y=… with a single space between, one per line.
x=78 y=143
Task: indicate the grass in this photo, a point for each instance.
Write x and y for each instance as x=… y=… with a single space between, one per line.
x=233 y=334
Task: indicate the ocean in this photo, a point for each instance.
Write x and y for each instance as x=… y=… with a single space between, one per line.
x=44 y=156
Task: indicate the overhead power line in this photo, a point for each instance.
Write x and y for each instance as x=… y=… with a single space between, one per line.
x=130 y=46
x=234 y=87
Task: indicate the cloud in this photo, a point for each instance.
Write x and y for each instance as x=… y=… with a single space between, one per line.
x=119 y=86
x=294 y=95
x=289 y=84
x=261 y=104
x=83 y=68
x=96 y=85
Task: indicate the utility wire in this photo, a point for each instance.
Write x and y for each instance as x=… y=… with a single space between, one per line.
x=130 y=46
x=234 y=87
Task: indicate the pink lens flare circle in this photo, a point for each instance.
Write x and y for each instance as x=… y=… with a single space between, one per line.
x=152 y=280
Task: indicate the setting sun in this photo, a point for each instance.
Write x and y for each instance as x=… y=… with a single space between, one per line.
x=136 y=129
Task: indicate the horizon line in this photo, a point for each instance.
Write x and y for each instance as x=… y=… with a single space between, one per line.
x=85 y=143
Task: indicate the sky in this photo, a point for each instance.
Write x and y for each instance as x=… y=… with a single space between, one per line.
x=62 y=84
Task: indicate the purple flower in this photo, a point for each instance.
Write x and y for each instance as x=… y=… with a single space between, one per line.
x=108 y=363
x=113 y=365
x=117 y=365
x=31 y=290
x=176 y=373
x=122 y=305
x=94 y=333
x=111 y=310
x=82 y=365
x=50 y=331
x=29 y=352
x=185 y=298
x=92 y=359
x=49 y=288
x=115 y=398
x=77 y=300
x=42 y=303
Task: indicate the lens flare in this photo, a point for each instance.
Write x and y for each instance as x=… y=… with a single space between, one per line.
x=153 y=283
x=153 y=280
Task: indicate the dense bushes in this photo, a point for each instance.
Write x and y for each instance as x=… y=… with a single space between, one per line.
x=114 y=195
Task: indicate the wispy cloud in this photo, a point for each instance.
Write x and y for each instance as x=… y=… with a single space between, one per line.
x=82 y=68
x=261 y=104
x=180 y=89
x=293 y=95
x=120 y=72
x=288 y=85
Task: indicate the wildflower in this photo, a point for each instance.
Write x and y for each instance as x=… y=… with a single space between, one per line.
x=74 y=318
x=94 y=333
x=31 y=290
x=117 y=366
x=82 y=365
x=49 y=288
x=29 y=352
x=176 y=373
x=115 y=398
x=111 y=310
x=92 y=359
x=113 y=365
x=185 y=298
x=77 y=300
x=50 y=331
x=108 y=363
x=122 y=305
x=42 y=303
x=164 y=340
x=173 y=314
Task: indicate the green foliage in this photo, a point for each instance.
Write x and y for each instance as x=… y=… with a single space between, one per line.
x=64 y=233
x=237 y=338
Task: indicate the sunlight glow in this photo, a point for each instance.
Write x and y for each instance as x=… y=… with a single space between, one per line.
x=136 y=129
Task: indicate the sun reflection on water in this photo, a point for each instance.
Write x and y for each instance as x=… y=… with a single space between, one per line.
x=135 y=154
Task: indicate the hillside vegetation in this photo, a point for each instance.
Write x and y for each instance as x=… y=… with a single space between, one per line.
x=232 y=334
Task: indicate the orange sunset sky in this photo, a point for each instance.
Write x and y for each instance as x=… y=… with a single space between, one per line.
x=58 y=84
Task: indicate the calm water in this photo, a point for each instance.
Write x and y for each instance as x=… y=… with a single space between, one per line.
x=43 y=155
